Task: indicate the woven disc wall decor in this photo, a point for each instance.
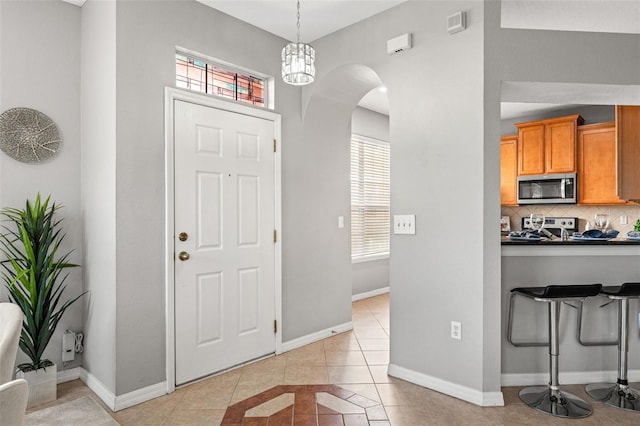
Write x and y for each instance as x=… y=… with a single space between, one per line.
x=28 y=135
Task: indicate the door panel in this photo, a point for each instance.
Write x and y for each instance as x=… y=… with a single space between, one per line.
x=209 y=298
x=249 y=309
x=209 y=198
x=225 y=202
x=249 y=213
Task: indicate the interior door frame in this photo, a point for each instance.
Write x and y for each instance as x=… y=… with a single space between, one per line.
x=171 y=95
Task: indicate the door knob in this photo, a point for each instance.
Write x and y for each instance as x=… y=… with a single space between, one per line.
x=183 y=256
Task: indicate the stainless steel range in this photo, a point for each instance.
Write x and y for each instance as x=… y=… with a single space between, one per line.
x=555 y=224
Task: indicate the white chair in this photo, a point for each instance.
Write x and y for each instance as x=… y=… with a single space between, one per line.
x=13 y=402
x=10 y=325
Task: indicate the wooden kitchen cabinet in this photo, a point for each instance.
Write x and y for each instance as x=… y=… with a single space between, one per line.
x=548 y=146
x=597 y=177
x=508 y=170
x=628 y=137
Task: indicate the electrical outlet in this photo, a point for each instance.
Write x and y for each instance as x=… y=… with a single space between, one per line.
x=623 y=219
x=456 y=330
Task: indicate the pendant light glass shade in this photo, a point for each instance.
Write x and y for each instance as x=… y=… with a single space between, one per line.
x=298 y=64
x=298 y=60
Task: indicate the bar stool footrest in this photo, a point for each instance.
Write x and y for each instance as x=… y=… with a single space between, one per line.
x=615 y=395
x=555 y=402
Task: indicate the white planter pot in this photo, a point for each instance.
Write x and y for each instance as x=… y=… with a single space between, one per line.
x=42 y=385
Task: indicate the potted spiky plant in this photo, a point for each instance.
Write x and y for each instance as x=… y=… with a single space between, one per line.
x=34 y=274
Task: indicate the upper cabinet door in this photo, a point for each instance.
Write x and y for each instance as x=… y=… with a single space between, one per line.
x=560 y=147
x=531 y=150
x=548 y=146
x=508 y=170
x=628 y=137
x=597 y=180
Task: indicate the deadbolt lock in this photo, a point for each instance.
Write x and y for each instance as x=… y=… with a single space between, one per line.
x=183 y=236
x=183 y=256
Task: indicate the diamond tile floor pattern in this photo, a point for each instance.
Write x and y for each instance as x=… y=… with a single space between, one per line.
x=341 y=381
x=322 y=405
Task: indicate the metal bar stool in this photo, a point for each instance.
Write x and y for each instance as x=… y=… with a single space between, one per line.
x=550 y=399
x=619 y=394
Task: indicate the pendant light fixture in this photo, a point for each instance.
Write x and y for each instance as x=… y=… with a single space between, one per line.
x=298 y=61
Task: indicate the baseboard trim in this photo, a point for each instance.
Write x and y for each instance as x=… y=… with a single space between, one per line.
x=567 y=378
x=314 y=337
x=64 y=376
x=483 y=399
x=372 y=293
x=99 y=389
x=117 y=403
x=139 y=396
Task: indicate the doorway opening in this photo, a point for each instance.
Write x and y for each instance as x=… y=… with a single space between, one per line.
x=370 y=217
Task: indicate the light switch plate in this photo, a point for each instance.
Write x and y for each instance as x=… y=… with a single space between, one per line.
x=340 y=222
x=404 y=224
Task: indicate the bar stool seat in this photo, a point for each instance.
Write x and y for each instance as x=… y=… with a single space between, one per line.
x=619 y=394
x=550 y=399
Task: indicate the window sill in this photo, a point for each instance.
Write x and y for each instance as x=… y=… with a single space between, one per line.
x=370 y=258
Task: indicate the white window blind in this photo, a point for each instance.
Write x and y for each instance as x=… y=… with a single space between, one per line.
x=370 y=188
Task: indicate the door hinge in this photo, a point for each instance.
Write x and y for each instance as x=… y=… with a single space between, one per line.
x=275 y=326
x=275 y=145
x=275 y=236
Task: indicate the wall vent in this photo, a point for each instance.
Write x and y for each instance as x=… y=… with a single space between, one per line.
x=456 y=22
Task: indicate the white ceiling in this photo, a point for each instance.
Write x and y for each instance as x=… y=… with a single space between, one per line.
x=317 y=17
x=606 y=16
x=376 y=100
x=511 y=110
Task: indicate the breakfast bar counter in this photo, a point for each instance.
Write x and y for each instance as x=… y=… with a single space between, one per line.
x=557 y=247
x=553 y=261
x=506 y=241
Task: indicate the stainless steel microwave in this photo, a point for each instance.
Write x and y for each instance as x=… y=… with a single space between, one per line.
x=548 y=189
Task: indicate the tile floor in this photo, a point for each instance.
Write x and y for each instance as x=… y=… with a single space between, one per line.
x=356 y=391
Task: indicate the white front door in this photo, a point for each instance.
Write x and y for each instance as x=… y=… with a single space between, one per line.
x=224 y=242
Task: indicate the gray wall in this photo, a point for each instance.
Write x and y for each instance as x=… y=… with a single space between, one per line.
x=39 y=69
x=370 y=275
x=436 y=127
x=490 y=304
x=370 y=123
x=98 y=100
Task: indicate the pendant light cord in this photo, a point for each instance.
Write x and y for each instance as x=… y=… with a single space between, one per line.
x=298 y=21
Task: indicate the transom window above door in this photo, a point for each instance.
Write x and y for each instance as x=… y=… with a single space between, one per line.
x=206 y=76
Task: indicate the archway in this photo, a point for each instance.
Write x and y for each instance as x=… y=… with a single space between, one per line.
x=331 y=116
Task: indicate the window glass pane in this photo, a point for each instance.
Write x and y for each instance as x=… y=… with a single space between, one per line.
x=201 y=76
x=370 y=195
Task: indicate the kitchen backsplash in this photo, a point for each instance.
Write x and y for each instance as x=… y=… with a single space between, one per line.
x=583 y=213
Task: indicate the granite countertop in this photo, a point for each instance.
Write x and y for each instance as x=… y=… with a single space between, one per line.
x=558 y=242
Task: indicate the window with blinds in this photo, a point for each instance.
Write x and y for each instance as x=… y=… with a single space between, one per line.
x=370 y=188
